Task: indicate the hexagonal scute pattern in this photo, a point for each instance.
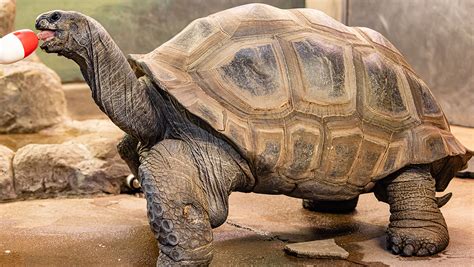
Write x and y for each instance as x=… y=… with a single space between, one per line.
x=323 y=73
x=427 y=106
x=377 y=38
x=383 y=92
x=199 y=31
x=342 y=152
x=254 y=75
x=310 y=103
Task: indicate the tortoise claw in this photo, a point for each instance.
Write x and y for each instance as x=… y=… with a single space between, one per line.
x=441 y=201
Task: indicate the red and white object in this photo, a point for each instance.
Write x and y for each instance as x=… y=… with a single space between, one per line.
x=17 y=45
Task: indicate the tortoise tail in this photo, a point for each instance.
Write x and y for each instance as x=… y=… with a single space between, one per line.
x=443 y=170
x=466 y=174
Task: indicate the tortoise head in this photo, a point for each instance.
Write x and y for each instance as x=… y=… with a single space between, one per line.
x=63 y=32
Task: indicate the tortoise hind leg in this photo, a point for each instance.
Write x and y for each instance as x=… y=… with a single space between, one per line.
x=341 y=207
x=417 y=226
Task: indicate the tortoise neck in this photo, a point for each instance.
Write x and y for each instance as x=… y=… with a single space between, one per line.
x=115 y=88
x=105 y=68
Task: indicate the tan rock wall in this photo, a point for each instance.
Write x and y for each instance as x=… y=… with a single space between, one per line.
x=6 y=174
x=31 y=97
x=7 y=16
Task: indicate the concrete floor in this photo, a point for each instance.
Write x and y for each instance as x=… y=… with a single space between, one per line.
x=114 y=231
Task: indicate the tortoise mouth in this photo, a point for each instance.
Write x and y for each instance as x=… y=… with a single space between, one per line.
x=51 y=39
x=46 y=35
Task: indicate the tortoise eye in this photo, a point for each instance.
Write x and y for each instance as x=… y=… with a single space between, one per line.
x=55 y=17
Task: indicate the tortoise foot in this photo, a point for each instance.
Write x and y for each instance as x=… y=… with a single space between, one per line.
x=417 y=227
x=417 y=241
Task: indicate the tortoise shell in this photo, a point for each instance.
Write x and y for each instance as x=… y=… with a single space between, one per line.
x=301 y=95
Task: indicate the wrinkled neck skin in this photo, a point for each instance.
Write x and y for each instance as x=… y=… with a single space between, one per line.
x=115 y=88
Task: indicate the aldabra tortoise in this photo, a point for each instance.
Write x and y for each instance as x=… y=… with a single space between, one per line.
x=258 y=99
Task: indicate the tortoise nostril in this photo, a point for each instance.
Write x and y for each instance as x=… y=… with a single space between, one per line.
x=40 y=24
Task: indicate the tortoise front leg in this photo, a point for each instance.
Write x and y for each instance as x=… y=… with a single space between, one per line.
x=417 y=226
x=178 y=209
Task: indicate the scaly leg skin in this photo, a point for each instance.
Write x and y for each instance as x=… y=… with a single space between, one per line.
x=338 y=207
x=187 y=189
x=417 y=227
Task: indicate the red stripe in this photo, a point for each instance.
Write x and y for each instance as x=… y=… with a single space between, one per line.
x=29 y=40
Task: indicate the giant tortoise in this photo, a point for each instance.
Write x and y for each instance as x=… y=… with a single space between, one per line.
x=259 y=99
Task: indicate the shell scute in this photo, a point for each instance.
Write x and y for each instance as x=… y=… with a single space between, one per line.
x=318 y=19
x=370 y=157
x=304 y=148
x=377 y=38
x=384 y=92
x=199 y=31
x=343 y=147
x=253 y=70
x=323 y=70
x=254 y=75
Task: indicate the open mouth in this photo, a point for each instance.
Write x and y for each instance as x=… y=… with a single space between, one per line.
x=46 y=35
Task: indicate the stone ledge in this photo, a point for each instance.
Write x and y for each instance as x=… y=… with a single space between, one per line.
x=80 y=104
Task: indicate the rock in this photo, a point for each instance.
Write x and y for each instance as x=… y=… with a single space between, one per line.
x=103 y=147
x=32 y=58
x=49 y=169
x=6 y=174
x=85 y=127
x=100 y=145
x=31 y=97
x=326 y=249
x=70 y=158
x=61 y=133
x=80 y=104
x=7 y=16
x=87 y=164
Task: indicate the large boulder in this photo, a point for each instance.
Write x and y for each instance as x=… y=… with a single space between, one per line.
x=7 y=16
x=6 y=174
x=88 y=164
x=31 y=97
x=50 y=168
